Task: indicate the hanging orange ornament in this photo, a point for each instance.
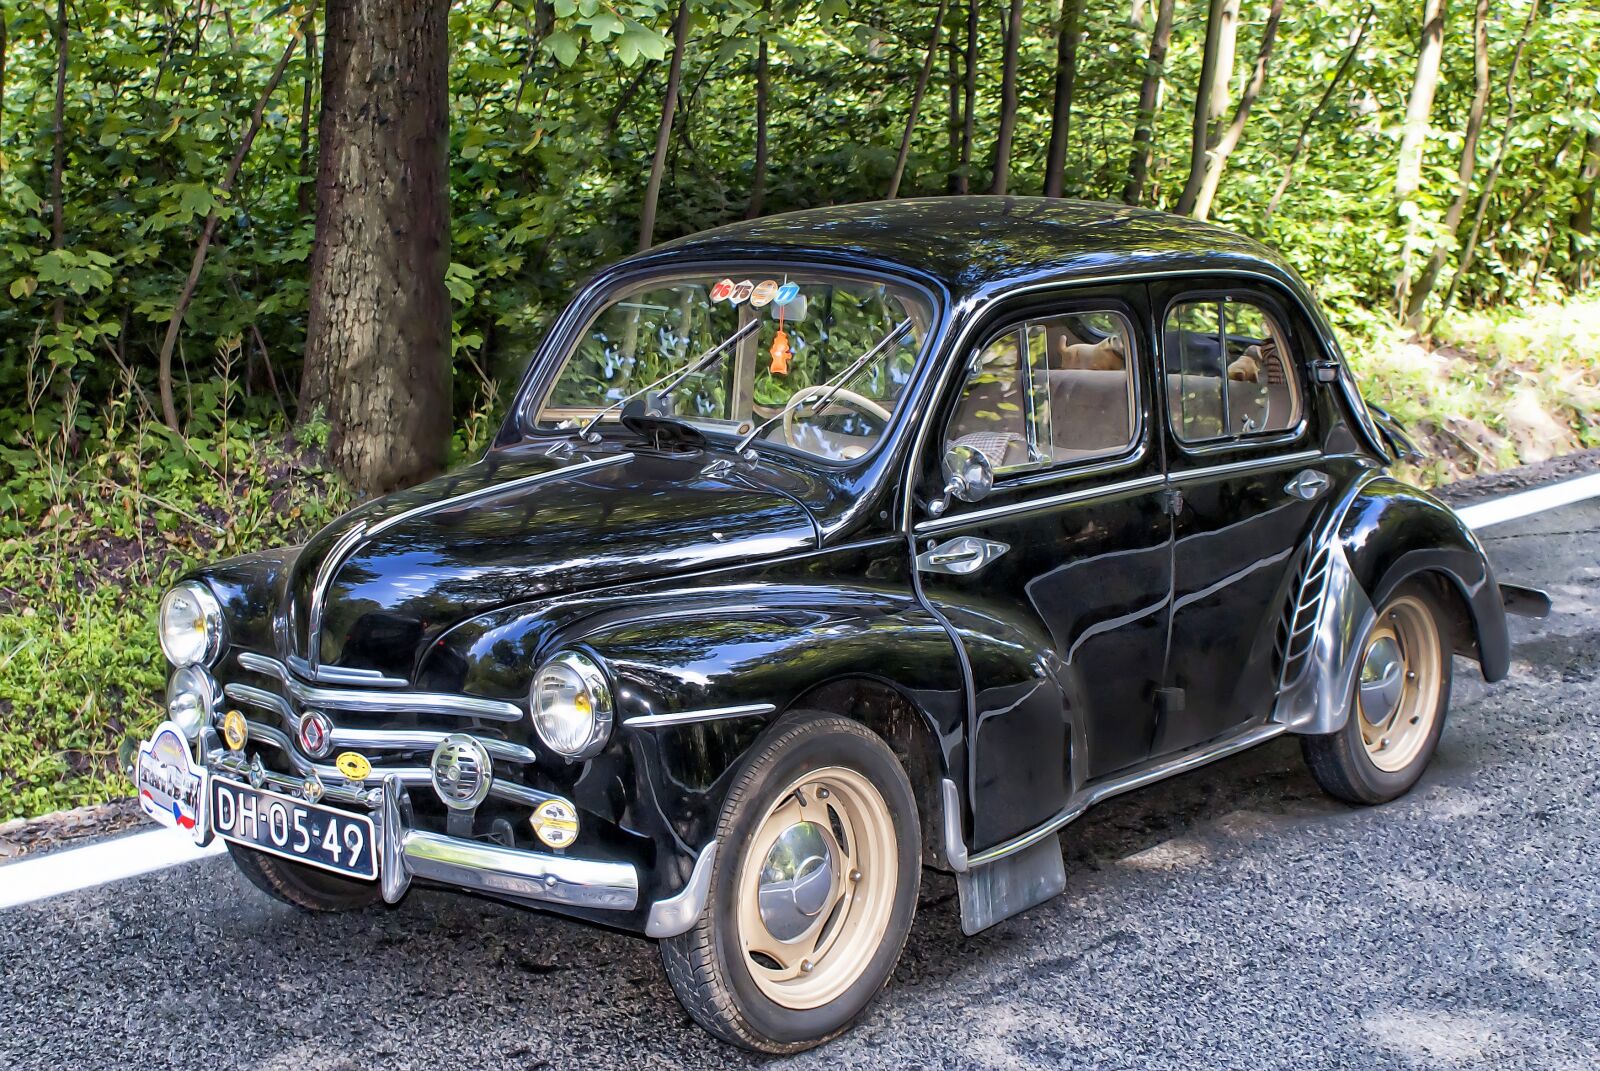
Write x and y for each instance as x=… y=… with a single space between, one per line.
x=780 y=353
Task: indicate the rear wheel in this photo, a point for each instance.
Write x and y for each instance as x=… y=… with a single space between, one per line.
x=812 y=894
x=303 y=886
x=1398 y=712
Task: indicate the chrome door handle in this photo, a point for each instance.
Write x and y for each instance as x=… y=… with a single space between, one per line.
x=1308 y=484
x=960 y=556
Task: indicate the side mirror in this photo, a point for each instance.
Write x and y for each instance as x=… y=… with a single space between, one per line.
x=968 y=476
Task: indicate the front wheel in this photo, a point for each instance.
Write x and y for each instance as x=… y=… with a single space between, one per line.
x=1397 y=713
x=812 y=893
x=305 y=887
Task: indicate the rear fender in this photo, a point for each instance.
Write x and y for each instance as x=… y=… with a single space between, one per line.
x=1381 y=535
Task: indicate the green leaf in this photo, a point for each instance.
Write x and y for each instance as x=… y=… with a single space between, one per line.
x=563 y=45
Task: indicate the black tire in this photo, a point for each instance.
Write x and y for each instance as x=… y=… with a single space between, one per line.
x=302 y=886
x=706 y=967
x=1340 y=761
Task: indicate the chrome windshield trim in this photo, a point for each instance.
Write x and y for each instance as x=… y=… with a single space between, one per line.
x=1239 y=468
x=1066 y=498
x=395 y=702
x=691 y=717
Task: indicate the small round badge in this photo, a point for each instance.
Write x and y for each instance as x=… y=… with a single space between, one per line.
x=555 y=822
x=787 y=293
x=235 y=730
x=353 y=765
x=741 y=290
x=721 y=290
x=763 y=293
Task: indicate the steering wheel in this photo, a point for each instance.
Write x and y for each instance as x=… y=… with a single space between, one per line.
x=856 y=401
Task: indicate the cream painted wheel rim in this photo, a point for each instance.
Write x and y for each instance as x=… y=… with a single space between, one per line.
x=1402 y=671
x=816 y=888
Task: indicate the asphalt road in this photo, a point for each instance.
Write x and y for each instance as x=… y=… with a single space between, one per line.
x=1235 y=918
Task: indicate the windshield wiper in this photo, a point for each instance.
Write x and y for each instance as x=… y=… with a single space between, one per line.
x=831 y=387
x=699 y=364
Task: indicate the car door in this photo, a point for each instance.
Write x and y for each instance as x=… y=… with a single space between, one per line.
x=1057 y=581
x=1242 y=457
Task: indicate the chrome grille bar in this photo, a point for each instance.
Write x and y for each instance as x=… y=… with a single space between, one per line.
x=395 y=702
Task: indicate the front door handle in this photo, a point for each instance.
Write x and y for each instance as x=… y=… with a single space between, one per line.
x=1308 y=484
x=961 y=556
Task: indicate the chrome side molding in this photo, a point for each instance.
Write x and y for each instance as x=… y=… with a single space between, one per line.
x=678 y=913
x=691 y=717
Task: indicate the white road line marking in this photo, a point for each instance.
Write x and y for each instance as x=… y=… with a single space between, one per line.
x=1527 y=503
x=67 y=871
x=75 y=869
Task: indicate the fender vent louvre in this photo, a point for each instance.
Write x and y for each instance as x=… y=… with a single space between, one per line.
x=1298 y=626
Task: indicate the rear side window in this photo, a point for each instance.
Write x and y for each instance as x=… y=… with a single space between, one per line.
x=1050 y=391
x=1229 y=371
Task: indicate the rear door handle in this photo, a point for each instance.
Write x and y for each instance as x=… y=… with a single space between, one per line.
x=1308 y=484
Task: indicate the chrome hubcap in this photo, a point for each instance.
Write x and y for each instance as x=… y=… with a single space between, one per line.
x=795 y=881
x=1383 y=680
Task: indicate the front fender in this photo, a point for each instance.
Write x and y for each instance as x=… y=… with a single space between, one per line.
x=697 y=683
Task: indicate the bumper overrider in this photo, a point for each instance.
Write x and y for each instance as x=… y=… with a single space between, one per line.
x=406 y=853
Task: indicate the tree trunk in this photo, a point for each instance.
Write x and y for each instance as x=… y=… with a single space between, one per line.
x=669 y=108
x=1471 y=248
x=306 y=197
x=1582 y=219
x=758 y=181
x=58 y=158
x=1200 y=133
x=169 y=408
x=378 y=330
x=1008 y=101
x=1222 y=75
x=1414 y=137
x=1149 y=104
x=916 y=101
x=969 y=99
x=1419 y=106
x=1417 y=293
x=953 y=113
x=1055 y=167
x=1316 y=111
x=1217 y=158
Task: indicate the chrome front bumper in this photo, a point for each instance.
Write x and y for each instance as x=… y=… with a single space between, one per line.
x=491 y=868
x=405 y=854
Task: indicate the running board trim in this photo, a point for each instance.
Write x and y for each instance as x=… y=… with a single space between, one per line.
x=1103 y=790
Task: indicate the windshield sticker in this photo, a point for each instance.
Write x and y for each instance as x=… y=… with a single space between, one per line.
x=170 y=787
x=780 y=353
x=741 y=291
x=787 y=293
x=763 y=292
x=721 y=291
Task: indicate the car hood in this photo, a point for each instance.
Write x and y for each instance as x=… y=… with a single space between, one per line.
x=374 y=588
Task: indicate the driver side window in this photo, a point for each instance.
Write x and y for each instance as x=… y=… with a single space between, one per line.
x=1049 y=391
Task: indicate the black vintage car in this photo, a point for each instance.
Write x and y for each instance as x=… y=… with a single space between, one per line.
x=823 y=548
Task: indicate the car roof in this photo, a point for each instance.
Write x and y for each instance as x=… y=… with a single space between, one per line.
x=977 y=244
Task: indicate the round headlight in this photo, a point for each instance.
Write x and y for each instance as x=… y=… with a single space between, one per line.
x=191 y=699
x=571 y=704
x=191 y=625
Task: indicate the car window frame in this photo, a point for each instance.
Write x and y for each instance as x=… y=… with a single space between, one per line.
x=1292 y=337
x=1042 y=309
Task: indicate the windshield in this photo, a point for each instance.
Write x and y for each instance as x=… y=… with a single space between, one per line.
x=810 y=328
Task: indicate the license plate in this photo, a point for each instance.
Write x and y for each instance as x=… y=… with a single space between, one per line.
x=317 y=836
